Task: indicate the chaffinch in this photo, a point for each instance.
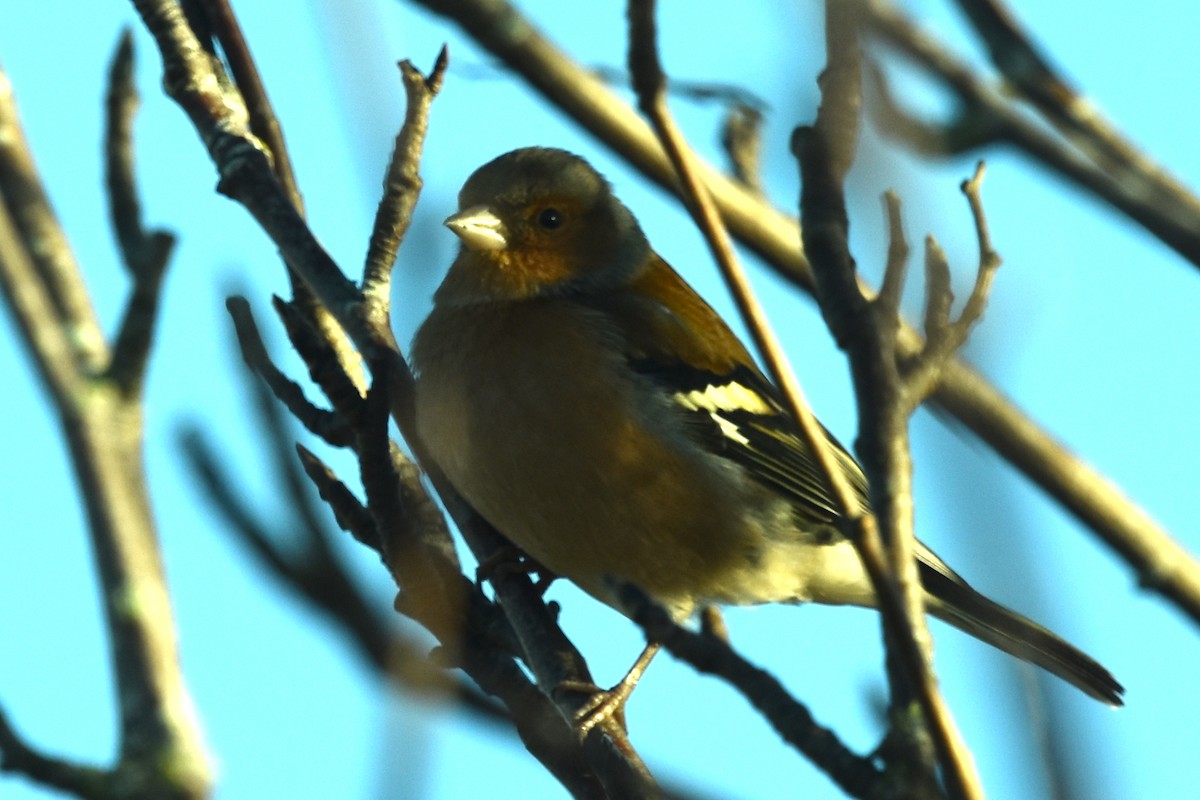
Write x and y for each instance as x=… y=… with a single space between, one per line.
x=592 y=407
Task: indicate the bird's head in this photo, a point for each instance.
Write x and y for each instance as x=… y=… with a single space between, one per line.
x=540 y=222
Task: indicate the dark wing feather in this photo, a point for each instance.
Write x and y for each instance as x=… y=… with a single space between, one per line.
x=738 y=416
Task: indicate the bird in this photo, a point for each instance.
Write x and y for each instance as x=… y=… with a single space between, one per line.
x=596 y=411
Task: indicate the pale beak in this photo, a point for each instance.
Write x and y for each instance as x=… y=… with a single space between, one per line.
x=478 y=228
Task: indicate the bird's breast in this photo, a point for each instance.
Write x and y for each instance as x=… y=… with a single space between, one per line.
x=528 y=413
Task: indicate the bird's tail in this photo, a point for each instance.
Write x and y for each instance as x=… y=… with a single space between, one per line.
x=955 y=602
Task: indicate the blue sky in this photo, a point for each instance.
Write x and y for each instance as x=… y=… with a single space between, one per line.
x=1091 y=328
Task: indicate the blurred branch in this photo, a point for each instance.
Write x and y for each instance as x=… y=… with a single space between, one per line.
x=161 y=752
x=32 y=222
x=145 y=253
x=18 y=757
x=318 y=575
x=729 y=95
x=1094 y=155
x=1159 y=562
x=30 y=300
x=1076 y=117
x=741 y=136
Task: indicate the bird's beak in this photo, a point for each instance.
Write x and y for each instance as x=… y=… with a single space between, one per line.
x=478 y=228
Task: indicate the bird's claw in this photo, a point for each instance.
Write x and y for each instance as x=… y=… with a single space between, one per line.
x=600 y=706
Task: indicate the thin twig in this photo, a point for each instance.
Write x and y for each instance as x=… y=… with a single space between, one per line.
x=330 y=427
x=326 y=368
x=145 y=252
x=741 y=137
x=403 y=182
x=221 y=22
x=895 y=272
x=944 y=336
x=348 y=511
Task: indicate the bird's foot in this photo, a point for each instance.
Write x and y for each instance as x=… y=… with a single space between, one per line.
x=603 y=705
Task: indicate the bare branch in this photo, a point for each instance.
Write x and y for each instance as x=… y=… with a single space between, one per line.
x=263 y=121
x=942 y=335
x=649 y=82
x=866 y=330
x=161 y=749
x=214 y=19
x=145 y=252
x=1095 y=156
x=252 y=531
x=349 y=513
x=896 y=270
x=403 y=182
x=19 y=758
x=32 y=306
x=327 y=367
x=32 y=221
x=989 y=259
x=1080 y=120
x=970 y=129
x=938 y=296
x=331 y=428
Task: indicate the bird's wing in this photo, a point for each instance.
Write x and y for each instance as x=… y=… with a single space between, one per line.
x=737 y=416
x=673 y=338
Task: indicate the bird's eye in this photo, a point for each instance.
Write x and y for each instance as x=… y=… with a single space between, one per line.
x=550 y=218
